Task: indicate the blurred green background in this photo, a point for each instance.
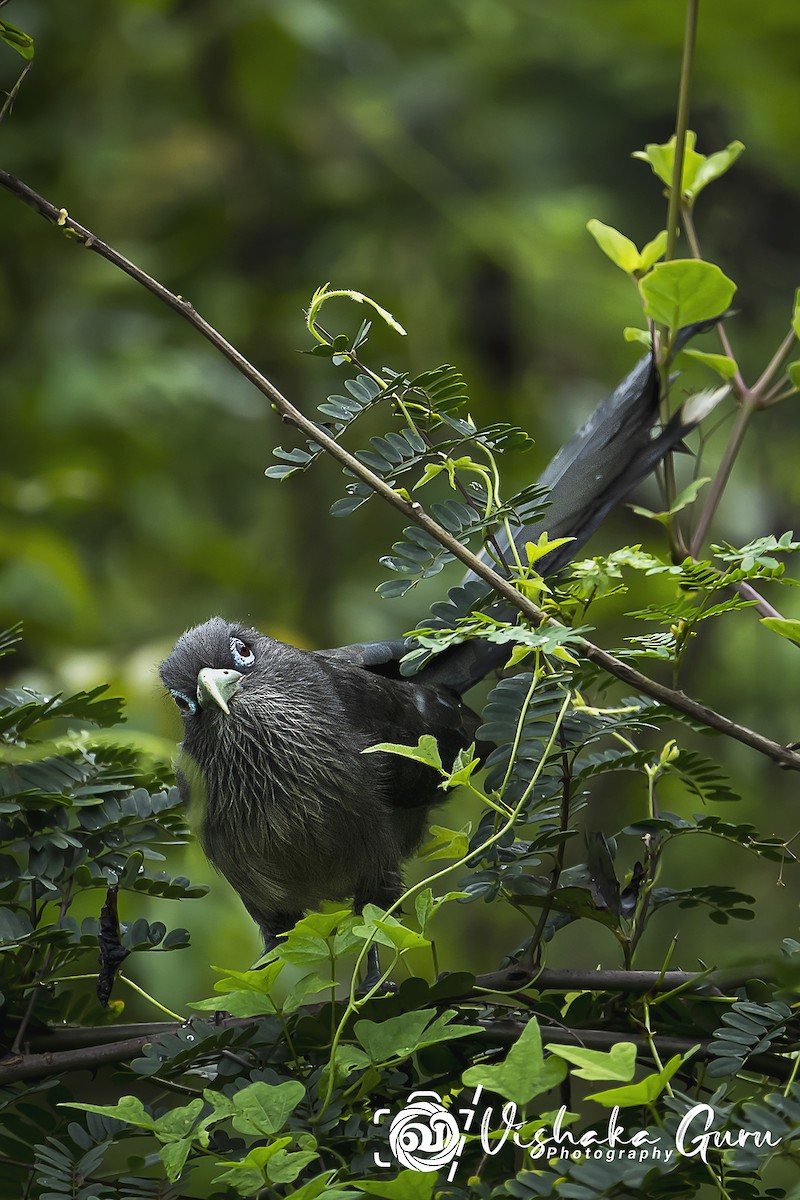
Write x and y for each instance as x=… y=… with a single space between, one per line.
x=442 y=156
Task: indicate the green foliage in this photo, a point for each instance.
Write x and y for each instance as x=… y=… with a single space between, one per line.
x=291 y=1074
x=683 y=291
x=746 y=1029
x=622 y=251
x=525 y=1073
x=19 y=41
x=281 y=1093
x=698 y=169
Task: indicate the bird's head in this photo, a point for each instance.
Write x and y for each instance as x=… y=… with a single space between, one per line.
x=212 y=666
x=256 y=719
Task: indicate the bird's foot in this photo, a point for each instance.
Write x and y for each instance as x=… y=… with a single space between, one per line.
x=374 y=976
x=385 y=987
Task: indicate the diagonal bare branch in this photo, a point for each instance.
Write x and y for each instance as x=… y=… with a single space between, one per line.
x=672 y=698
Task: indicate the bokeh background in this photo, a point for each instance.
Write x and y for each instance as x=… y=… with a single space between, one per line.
x=443 y=157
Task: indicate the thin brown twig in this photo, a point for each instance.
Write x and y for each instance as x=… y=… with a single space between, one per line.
x=718 y=484
x=532 y=953
x=672 y=698
x=12 y=95
x=746 y=396
x=42 y=974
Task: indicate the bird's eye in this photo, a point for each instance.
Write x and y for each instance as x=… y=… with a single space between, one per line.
x=185 y=703
x=241 y=653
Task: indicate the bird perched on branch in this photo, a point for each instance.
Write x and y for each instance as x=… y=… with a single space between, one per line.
x=294 y=812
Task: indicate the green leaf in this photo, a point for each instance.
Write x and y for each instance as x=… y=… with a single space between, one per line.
x=262 y=1109
x=308 y=985
x=698 y=169
x=401 y=938
x=617 y=1063
x=408 y=1185
x=424 y=907
x=246 y=1180
x=541 y=548
x=430 y=472
x=307 y=943
x=689 y=494
x=796 y=314
x=321 y=924
x=268 y=1164
x=325 y=293
x=318 y=1186
x=793 y=371
x=661 y=158
x=654 y=250
x=174 y=1156
x=176 y=1123
x=349 y=1059
x=784 y=626
x=129 y=1109
x=642 y=336
x=238 y=1004
x=19 y=41
x=399 y=1037
x=646 y=1090
x=620 y=249
x=426 y=751
x=713 y=167
x=464 y=767
x=524 y=1073
x=721 y=363
x=681 y=501
x=285 y=1165
x=244 y=993
x=684 y=291
x=376 y=925
x=445 y=843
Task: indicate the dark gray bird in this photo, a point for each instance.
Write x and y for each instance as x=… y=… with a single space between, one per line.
x=293 y=812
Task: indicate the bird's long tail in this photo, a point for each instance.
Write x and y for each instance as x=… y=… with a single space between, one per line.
x=608 y=456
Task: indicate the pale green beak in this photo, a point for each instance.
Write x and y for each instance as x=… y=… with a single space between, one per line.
x=217 y=687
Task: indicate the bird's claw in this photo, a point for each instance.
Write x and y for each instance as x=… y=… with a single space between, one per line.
x=385 y=987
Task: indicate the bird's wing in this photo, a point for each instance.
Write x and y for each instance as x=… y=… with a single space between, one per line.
x=379 y=657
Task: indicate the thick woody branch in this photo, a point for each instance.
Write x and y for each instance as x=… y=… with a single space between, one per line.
x=672 y=698
x=500 y=1032
x=635 y=983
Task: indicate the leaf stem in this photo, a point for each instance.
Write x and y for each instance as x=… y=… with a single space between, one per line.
x=766 y=376
x=681 y=126
x=12 y=95
x=747 y=407
x=161 y=1008
x=673 y=223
